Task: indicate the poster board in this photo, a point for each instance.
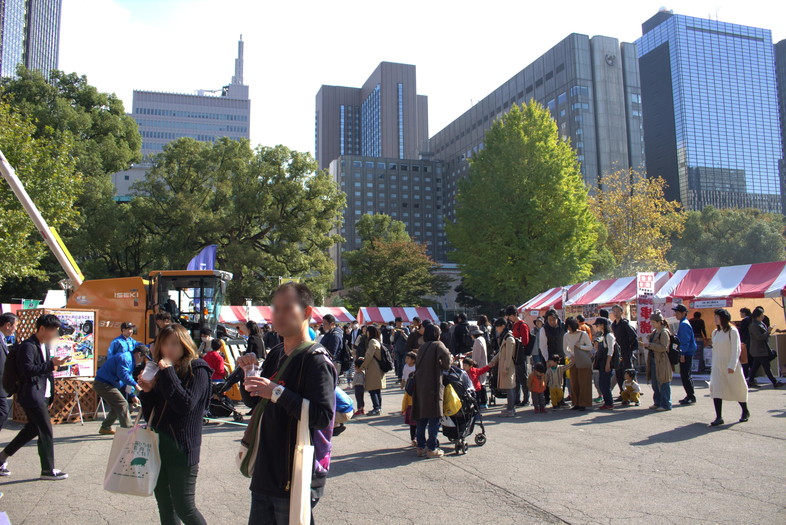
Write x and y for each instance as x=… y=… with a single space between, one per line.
x=77 y=340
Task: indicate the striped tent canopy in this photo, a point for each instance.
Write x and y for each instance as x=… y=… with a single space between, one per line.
x=379 y=314
x=8 y=308
x=264 y=314
x=745 y=280
x=612 y=291
x=551 y=298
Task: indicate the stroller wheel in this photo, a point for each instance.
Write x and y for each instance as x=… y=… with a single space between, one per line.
x=237 y=417
x=480 y=439
x=465 y=448
x=458 y=449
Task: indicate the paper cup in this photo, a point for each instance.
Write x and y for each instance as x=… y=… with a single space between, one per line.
x=150 y=371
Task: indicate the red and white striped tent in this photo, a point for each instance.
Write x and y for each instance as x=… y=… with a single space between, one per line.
x=745 y=280
x=379 y=314
x=612 y=291
x=8 y=308
x=551 y=298
x=264 y=314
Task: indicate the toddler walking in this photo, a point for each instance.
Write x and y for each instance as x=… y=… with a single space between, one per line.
x=555 y=375
x=359 y=384
x=537 y=387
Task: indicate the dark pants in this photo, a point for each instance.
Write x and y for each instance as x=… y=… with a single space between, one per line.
x=686 y=374
x=763 y=362
x=376 y=399
x=271 y=510
x=360 y=392
x=432 y=424
x=627 y=361
x=605 y=386
x=413 y=432
x=398 y=363
x=3 y=411
x=482 y=395
x=700 y=354
x=118 y=406
x=38 y=424
x=176 y=487
x=522 y=392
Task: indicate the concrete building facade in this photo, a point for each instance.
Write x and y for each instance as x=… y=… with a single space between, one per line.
x=383 y=118
x=590 y=85
x=29 y=35
x=711 y=112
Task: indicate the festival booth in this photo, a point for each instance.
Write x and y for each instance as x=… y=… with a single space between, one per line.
x=74 y=398
x=552 y=298
x=380 y=315
x=235 y=315
x=733 y=287
x=608 y=292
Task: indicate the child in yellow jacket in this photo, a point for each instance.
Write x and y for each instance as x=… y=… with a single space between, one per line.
x=555 y=373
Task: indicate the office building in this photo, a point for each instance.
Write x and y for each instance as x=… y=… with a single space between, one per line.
x=711 y=111
x=408 y=190
x=590 y=85
x=780 y=80
x=29 y=35
x=205 y=116
x=384 y=118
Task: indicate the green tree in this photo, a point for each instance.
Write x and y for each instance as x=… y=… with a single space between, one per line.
x=389 y=269
x=523 y=222
x=46 y=169
x=268 y=210
x=639 y=221
x=714 y=237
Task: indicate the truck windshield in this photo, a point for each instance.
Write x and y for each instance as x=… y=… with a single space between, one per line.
x=193 y=301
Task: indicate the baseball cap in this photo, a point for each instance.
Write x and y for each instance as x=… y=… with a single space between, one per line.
x=127 y=326
x=680 y=308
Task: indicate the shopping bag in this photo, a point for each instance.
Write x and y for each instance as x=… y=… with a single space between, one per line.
x=451 y=403
x=134 y=461
x=302 y=467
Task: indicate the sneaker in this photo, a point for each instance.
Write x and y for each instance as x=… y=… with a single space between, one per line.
x=373 y=413
x=505 y=413
x=653 y=407
x=54 y=475
x=484 y=407
x=436 y=453
x=421 y=452
x=339 y=429
x=636 y=403
x=4 y=469
x=717 y=422
x=753 y=384
x=688 y=401
x=606 y=407
x=106 y=431
x=778 y=384
x=359 y=413
x=597 y=400
x=661 y=409
x=626 y=403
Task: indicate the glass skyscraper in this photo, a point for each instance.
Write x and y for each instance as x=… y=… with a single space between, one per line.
x=710 y=111
x=29 y=35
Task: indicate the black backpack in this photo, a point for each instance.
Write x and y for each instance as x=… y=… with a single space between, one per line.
x=10 y=376
x=674 y=349
x=603 y=352
x=386 y=363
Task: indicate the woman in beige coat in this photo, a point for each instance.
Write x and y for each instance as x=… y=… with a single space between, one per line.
x=375 y=379
x=660 y=370
x=726 y=380
x=506 y=366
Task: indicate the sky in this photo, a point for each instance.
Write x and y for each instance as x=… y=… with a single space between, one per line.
x=463 y=50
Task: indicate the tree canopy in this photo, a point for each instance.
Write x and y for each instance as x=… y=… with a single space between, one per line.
x=523 y=222
x=389 y=269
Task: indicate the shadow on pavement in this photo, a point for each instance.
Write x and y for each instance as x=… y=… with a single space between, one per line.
x=18 y=481
x=676 y=435
x=372 y=460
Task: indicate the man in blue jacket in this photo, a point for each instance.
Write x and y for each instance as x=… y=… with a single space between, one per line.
x=113 y=380
x=124 y=342
x=687 y=350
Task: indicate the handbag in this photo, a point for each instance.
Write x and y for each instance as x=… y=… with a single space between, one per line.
x=451 y=403
x=302 y=467
x=134 y=461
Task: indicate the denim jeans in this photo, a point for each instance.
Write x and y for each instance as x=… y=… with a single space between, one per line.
x=511 y=399
x=661 y=392
x=686 y=375
x=376 y=399
x=700 y=354
x=271 y=510
x=604 y=378
x=433 y=429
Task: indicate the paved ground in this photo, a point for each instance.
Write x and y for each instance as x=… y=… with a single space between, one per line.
x=626 y=466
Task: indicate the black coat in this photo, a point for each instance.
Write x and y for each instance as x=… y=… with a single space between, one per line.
x=33 y=372
x=179 y=405
x=3 y=356
x=333 y=341
x=625 y=336
x=257 y=346
x=462 y=342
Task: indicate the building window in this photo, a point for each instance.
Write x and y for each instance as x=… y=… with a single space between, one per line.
x=342 y=130
x=400 y=121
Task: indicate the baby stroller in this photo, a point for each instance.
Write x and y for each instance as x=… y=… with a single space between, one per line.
x=495 y=392
x=220 y=405
x=458 y=427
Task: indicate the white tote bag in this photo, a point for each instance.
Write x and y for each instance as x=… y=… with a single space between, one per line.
x=134 y=461
x=302 y=468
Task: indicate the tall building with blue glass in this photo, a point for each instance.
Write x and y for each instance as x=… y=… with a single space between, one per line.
x=29 y=35
x=710 y=111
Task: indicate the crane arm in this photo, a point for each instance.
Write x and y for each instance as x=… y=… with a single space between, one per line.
x=50 y=237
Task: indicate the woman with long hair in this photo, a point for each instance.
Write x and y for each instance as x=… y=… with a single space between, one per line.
x=255 y=345
x=375 y=379
x=174 y=403
x=506 y=366
x=433 y=358
x=726 y=378
x=660 y=370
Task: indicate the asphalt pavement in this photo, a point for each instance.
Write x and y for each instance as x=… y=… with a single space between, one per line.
x=629 y=465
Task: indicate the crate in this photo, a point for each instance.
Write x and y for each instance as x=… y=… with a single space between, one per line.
x=64 y=409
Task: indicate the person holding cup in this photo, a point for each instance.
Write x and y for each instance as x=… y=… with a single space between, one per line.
x=173 y=403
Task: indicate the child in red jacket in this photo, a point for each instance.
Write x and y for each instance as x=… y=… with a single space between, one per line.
x=474 y=373
x=537 y=387
x=215 y=360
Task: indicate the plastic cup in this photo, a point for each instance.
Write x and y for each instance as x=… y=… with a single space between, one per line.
x=150 y=371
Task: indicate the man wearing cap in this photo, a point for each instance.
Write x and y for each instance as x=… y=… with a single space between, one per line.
x=687 y=350
x=113 y=380
x=124 y=342
x=626 y=338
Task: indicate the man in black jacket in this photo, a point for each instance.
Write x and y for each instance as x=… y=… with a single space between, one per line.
x=7 y=329
x=34 y=370
x=310 y=376
x=626 y=338
x=462 y=341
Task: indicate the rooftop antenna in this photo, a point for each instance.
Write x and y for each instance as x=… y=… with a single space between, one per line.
x=237 y=78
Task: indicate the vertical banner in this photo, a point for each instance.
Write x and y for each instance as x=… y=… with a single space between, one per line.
x=77 y=340
x=645 y=290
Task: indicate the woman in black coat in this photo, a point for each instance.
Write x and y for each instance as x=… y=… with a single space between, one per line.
x=759 y=352
x=255 y=343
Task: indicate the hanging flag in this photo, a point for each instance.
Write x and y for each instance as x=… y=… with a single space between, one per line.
x=204 y=260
